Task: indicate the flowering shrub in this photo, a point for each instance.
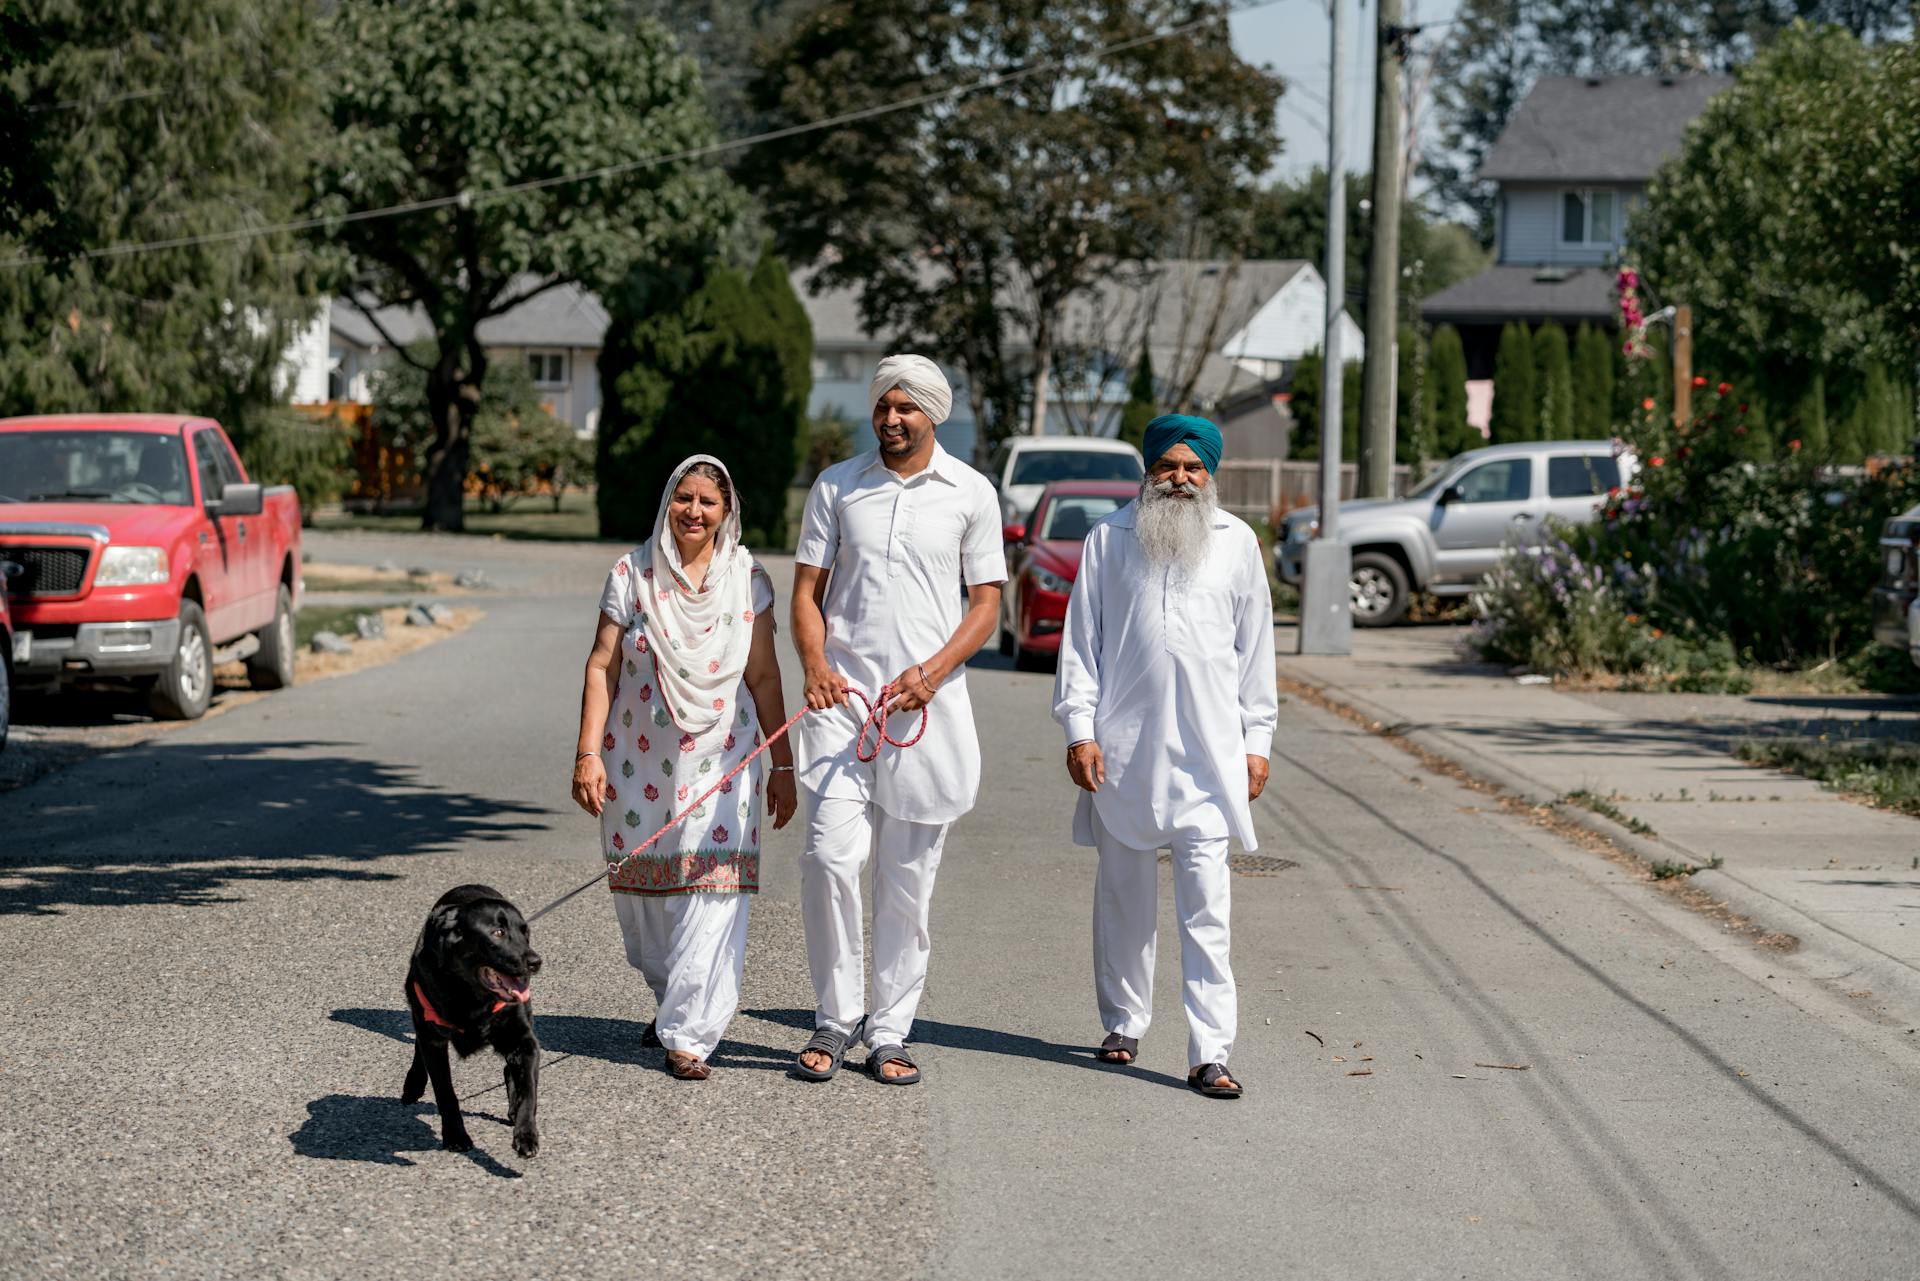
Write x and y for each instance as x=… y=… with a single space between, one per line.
x=1710 y=561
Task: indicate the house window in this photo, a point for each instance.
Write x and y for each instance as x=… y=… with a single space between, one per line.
x=549 y=368
x=1588 y=217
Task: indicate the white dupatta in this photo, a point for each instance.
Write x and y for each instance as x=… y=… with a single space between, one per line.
x=700 y=637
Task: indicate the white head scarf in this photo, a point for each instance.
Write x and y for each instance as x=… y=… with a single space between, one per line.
x=920 y=378
x=700 y=636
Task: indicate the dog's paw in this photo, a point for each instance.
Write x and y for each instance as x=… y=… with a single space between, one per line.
x=457 y=1141
x=527 y=1144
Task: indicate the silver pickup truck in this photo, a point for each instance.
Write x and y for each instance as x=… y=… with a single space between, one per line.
x=1447 y=534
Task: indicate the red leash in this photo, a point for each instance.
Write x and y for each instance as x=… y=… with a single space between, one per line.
x=875 y=722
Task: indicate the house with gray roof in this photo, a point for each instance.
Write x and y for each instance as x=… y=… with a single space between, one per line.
x=1570 y=166
x=557 y=334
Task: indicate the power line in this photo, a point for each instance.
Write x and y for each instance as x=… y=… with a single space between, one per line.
x=466 y=199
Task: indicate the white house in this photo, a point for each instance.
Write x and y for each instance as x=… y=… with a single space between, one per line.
x=557 y=335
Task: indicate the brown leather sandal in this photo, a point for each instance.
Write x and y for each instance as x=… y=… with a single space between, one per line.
x=685 y=1067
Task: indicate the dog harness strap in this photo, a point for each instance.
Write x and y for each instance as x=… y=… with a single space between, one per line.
x=433 y=1016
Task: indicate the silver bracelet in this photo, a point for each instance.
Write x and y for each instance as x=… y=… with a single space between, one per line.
x=583 y=756
x=780 y=769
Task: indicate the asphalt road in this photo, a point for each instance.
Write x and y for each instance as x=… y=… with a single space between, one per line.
x=205 y=936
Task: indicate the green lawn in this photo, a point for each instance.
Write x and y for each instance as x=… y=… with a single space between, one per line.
x=337 y=619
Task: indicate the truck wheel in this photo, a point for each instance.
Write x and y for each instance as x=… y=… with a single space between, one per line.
x=271 y=666
x=1379 y=588
x=186 y=686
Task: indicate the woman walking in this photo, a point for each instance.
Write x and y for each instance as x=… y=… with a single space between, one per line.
x=681 y=686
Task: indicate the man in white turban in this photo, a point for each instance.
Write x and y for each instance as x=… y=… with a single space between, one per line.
x=885 y=539
x=1166 y=691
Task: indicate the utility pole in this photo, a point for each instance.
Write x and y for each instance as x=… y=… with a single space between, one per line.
x=1383 y=261
x=1326 y=592
x=1682 y=364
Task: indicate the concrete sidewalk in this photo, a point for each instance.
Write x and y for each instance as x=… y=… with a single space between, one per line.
x=1841 y=877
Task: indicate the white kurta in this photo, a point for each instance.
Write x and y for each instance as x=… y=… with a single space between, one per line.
x=1171 y=672
x=898 y=551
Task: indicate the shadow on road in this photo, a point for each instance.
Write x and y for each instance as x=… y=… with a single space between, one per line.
x=358 y=1127
x=960 y=1036
x=182 y=824
x=579 y=1035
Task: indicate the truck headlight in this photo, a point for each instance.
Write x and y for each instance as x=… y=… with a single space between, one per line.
x=131 y=567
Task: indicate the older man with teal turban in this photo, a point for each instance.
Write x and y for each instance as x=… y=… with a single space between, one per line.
x=1166 y=691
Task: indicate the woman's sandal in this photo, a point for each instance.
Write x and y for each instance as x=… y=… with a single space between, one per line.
x=882 y=1055
x=1115 y=1045
x=1206 y=1080
x=685 y=1066
x=830 y=1043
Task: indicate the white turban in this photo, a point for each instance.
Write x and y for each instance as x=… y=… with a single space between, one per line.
x=920 y=378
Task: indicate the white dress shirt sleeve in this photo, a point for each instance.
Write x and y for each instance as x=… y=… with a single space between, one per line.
x=983 y=553
x=1076 y=682
x=1253 y=645
x=819 y=526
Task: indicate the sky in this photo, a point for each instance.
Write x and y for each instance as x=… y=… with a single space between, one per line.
x=1292 y=36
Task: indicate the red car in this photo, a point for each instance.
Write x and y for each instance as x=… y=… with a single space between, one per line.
x=1043 y=558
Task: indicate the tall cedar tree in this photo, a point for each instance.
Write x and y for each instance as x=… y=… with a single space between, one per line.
x=1413 y=401
x=1553 y=382
x=1447 y=389
x=450 y=100
x=1305 y=401
x=700 y=365
x=1516 y=402
x=1593 y=357
x=1142 y=405
x=129 y=122
x=966 y=223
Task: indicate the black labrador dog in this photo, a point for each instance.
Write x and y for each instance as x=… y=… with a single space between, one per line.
x=468 y=987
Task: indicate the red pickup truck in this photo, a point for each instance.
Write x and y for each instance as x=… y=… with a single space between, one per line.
x=136 y=550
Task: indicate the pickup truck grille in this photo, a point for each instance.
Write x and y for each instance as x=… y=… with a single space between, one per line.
x=51 y=571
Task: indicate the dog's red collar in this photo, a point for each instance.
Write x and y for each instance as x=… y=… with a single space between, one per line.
x=432 y=1015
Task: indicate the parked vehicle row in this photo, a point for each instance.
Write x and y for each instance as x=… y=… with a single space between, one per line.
x=1445 y=536
x=140 y=553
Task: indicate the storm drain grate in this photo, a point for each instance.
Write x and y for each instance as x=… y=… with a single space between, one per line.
x=1250 y=864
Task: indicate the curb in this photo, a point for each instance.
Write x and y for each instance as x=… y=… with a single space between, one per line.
x=1820 y=949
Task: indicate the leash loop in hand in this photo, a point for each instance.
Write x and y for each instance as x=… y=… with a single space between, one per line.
x=876 y=722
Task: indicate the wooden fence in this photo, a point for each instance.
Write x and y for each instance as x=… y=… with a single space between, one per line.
x=1265 y=489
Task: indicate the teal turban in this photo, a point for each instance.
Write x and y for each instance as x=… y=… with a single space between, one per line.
x=1168 y=430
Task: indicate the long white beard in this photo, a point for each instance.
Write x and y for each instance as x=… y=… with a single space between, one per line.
x=1175 y=531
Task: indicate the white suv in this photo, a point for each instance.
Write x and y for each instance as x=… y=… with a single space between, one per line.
x=1025 y=465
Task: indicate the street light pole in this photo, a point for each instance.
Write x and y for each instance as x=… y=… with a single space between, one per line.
x=1326 y=601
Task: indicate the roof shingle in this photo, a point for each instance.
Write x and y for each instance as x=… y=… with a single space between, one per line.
x=1598 y=128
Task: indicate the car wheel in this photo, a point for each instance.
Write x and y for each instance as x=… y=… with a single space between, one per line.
x=1379 y=587
x=186 y=686
x=271 y=666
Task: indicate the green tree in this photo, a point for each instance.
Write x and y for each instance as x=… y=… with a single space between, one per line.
x=1447 y=384
x=700 y=365
x=1553 y=382
x=283 y=446
x=1593 y=360
x=1305 y=404
x=124 y=123
x=1516 y=399
x=1039 y=190
x=1414 y=441
x=452 y=103
x=1142 y=401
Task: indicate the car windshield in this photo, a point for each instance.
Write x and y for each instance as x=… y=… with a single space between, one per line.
x=92 y=467
x=1071 y=516
x=1044 y=466
x=1430 y=487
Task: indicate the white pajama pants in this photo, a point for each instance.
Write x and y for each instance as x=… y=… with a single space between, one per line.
x=691 y=949
x=1126 y=909
x=842 y=834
